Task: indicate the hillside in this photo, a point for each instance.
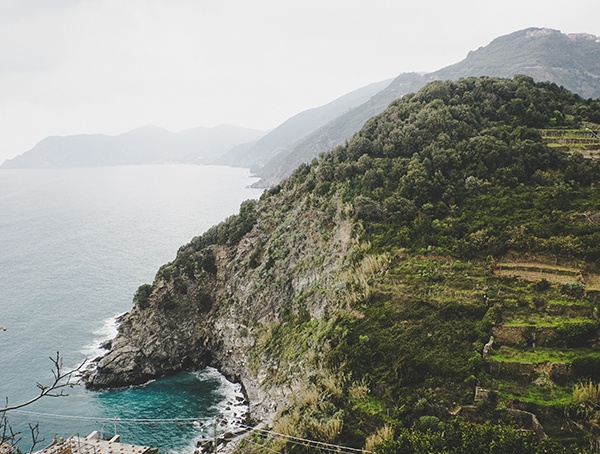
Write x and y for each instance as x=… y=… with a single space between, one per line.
x=145 y=145
x=572 y=61
x=296 y=128
x=356 y=301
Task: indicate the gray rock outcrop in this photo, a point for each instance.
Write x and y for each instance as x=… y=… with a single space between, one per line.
x=223 y=304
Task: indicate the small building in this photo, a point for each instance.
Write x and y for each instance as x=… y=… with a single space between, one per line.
x=92 y=444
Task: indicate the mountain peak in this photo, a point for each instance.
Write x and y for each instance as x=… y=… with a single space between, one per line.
x=583 y=36
x=540 y=32
x=545 y=54
x=545 y=32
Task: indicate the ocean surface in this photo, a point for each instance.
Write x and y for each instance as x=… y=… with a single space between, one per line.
x=74 y=246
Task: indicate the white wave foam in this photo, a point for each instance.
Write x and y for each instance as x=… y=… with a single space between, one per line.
x=232 y=409
x=106 y=332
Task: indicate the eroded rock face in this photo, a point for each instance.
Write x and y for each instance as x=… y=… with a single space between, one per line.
x=216 y=304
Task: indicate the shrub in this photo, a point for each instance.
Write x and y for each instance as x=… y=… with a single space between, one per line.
x=429 y=422
x=574 y=289
x=204 y=301
x=142 y=296
x=367 y=209
x=576 y=333
x=469 y=438
x=587 y=367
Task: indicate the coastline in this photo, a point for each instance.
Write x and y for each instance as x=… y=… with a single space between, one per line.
x=232 y=410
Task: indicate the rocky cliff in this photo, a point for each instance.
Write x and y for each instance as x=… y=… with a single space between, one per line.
x=219 y=301
x=358 y=294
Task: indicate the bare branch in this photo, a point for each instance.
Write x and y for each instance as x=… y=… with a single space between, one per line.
x=61 y=381
x=35 y=434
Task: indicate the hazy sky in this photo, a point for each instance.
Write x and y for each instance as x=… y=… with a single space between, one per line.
x=108 y=66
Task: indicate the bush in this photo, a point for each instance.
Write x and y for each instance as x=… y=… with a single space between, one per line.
x=429 y=423
x=204 y=301
x=577 y=333
x=469 y=438
x=142 y=296
x=367 y=209
x=574 y=289
x=587 y=367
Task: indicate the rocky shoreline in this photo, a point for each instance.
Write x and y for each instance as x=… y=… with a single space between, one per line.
x=232 y=295
x=126 y=364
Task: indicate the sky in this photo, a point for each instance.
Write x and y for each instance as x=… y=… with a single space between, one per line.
x=109 y=66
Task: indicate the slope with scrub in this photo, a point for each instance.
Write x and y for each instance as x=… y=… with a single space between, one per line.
x=353 y=301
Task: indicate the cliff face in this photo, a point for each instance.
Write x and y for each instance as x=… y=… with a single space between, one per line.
x=217 y=304
x=360 y=292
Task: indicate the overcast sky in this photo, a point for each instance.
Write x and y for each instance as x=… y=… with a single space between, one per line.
x=108 y=66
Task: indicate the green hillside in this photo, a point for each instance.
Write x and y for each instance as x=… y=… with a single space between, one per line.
x=568 y=60
x=444 y=184
x=431 y=286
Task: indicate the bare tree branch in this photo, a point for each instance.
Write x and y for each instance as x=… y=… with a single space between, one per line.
x=62 y=380
x=35 y=436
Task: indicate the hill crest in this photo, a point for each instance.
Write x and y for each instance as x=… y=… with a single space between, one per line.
x=572 y=61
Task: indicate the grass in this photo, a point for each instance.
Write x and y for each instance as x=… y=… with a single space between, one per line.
x=553 y=396
x=538 y=267
x=370 y=405
x=534 y=276
x=534 y=270
x=581 y=140
x=543 y=320
x=567 y=302
x=540 y=355
x=592 y=282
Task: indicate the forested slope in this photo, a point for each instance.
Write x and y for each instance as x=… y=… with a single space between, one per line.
x=569 y=60
x=354 y=300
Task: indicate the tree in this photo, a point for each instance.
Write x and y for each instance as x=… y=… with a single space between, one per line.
x=62 y=380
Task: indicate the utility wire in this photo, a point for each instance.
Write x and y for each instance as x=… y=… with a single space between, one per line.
x=261 y=446
x=329 y=447
x=124 y=420
x=320 y=446
x=313 y=443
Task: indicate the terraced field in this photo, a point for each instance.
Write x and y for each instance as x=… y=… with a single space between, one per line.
x=586 y=140
x=541 y=350
x=534 y=271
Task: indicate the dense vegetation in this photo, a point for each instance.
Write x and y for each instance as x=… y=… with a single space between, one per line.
x=444 y=189
x=572 y=62
x=462 y=168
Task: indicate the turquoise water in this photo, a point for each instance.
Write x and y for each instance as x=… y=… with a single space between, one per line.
x=74 y=246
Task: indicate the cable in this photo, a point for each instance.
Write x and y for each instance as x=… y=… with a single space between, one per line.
x=290 y=438
x=261 y=446
x=124 y=420
x=320 y=446
x=312 y=443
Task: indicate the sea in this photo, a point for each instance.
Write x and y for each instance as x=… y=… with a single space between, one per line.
x=75 y=244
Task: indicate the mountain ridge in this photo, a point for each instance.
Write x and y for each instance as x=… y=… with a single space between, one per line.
x=296 y=127
x=142 y=145
x=569 y=61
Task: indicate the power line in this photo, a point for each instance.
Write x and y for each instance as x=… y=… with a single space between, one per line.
x=247 y=440
x=313 y=443
x=100 y=419
x=329 y=447
x=322 y=446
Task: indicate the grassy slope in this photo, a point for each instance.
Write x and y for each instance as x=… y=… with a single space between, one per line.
x=441 y=186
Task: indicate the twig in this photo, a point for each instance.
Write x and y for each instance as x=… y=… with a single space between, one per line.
x=61 y=381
